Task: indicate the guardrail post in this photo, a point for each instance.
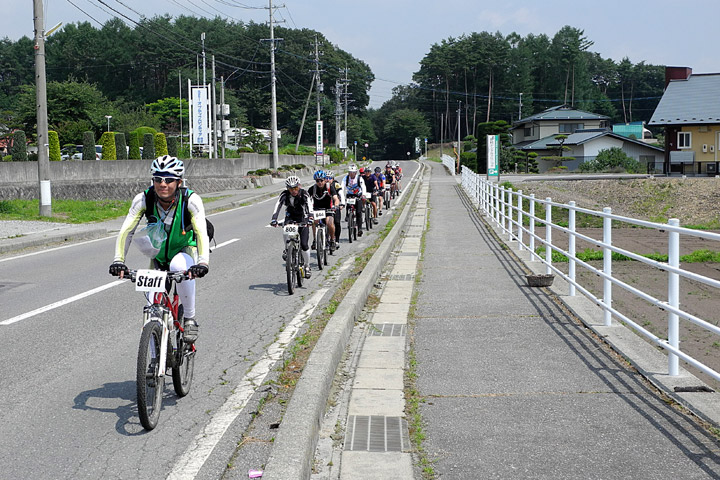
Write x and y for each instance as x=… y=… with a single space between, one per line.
x=477 y=191
x=571 y=247
x=520 y=220
x=548 y=235
x=496 y=203
x=673 y=296
x=607 y=264
x=509 y=216
x=532 y=227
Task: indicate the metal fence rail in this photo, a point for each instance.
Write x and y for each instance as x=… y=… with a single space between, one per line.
x=505 y=208
x=449 y=162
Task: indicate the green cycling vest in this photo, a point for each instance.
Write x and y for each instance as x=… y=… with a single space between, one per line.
x=179 y=237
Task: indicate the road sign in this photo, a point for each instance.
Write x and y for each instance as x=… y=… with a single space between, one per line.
x=493 y=155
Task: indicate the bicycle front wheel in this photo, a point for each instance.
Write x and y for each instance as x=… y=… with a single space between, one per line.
x=150 y=384
x=351 y=224
x=368 y=219
x=182 y=372
x=290 y=268
x=320 y=244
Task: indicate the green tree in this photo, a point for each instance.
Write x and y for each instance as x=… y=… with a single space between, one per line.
x=107 y=140
x=18 y=150
x=54 y=146
x=148 y=146
x=121 y=147
x=401 y=129
x=134 y=153
x=88 y=152
x=170 y=111
x=160 y=145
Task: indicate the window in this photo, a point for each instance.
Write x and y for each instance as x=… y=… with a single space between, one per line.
x=684 y=139
x=528 y=132
x=571 y=127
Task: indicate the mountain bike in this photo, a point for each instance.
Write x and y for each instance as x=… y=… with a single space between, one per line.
x=161 y=343
x=386 y=198
x=321 y=243
x=351 y=217
x=368 y=212
x=294 y=263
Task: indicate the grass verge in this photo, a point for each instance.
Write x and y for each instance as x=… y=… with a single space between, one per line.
x=66 y=211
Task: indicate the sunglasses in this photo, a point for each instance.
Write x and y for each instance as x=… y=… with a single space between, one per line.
x=319 y=180
x=164 y=179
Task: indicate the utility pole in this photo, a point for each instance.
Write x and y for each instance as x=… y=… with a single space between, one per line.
x=520 y=108
x=213 y=113
x=273 y=112
x=338 y=111
x=315 y=77
x=457 y=167
x=202 y=39
x=42 y=120
x=442 y=119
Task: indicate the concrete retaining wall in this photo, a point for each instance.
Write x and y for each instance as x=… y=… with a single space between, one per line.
x=122 y=179
x=26 y=172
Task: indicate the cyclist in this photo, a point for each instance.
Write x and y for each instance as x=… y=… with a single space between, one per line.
x=371 y=187
x=398 y=176
x=324 y=197
x=338 y=188
x=186 y=246
x=355 y=187
x=390 y=177
x=380 y=179
x=297 y=208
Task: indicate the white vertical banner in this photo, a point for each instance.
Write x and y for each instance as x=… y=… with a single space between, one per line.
x=493 y=155
x=200 y=115
x=319 y=137
x=343 y=139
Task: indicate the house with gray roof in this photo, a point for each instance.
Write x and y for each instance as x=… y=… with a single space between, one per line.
x=689 y=110
x=587 y=134
x=560 y=119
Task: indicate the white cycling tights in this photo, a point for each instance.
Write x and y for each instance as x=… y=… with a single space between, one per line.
x=186 y=289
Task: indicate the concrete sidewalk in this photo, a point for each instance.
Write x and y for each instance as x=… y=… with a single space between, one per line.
x=514 y=386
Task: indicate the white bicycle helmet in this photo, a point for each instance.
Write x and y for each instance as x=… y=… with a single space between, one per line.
x=352 y=168
x=167 y=166
x=292 y=181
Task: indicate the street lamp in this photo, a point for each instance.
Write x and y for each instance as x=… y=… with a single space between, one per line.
x=108 y=119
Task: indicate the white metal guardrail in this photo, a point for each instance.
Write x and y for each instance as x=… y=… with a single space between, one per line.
x=506 y=208
x=449 y=162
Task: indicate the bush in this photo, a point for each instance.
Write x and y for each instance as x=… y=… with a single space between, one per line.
x=107 y=140
x=148 y=146
x=172 y=146
x=141 y=131
x=469 y=159
x=245 y=150
x=612 y=160
x=299 y=166
x=88 y=152
x=335 y=154
x=120 y=147
x=160 y=145
x=54 y=144
x=134 y=153
x=262 y=171
x=7 y=158
x=19 y=147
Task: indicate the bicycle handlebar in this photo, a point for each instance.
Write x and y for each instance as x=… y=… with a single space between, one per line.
x=174 y=276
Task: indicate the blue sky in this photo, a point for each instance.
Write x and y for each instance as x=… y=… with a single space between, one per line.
x=392 y=36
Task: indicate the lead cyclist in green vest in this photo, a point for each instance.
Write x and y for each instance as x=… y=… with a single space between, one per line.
x=186 y=247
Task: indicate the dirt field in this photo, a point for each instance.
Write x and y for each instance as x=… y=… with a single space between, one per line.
x=693 y=202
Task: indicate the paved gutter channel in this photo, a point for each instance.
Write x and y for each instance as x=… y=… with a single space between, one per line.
x=365 y=432
x=297 y=438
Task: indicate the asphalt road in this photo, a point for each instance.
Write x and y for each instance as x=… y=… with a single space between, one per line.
x=67 y=375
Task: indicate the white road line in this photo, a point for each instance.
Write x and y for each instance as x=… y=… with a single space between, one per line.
x=223 y=244
x=56 y=248
x=190 y=463
x=60 y=303
x=77 y=297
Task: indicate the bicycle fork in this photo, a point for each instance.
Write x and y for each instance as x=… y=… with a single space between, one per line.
x=153 y=313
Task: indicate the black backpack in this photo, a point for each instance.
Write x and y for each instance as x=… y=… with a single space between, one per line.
x=150 y=200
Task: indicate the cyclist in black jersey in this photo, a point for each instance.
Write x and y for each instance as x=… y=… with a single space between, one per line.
x=297 y=209
x=323 y=196
x=371 y=187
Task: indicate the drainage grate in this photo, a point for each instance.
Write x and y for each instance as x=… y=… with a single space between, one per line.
x=404 y=278
x=377 y=434
x=388 y=330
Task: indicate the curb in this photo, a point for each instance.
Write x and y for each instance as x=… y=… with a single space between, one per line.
x=294 y=447
x=62 y=237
